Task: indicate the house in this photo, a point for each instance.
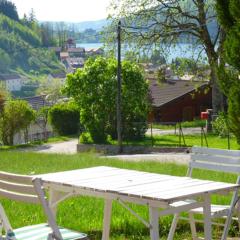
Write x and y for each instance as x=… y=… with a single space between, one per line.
x=64 y=56
x=76 y=52
x=37 y=102
x=95 y=52
x=12 y=82
x=76 y=63
x=178 y=100
x=61 y=76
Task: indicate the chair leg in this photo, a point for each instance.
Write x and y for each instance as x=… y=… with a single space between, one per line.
x=173 y=227
x=193 y=226
x=229 y=216
x=238 y=214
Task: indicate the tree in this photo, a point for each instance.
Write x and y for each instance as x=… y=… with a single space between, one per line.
x=131 y=56
x=164 y=23
x=94 y=89
x=157 y=58
x=52 y=88
x=9 y=9
x=228 y=14
x=61 y=29
x=5 y=61
x=47 y=34
x=4 y=95
x=16 y=116
x=185 y=65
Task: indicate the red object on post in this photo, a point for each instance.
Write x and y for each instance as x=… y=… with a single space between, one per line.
x=204 y=115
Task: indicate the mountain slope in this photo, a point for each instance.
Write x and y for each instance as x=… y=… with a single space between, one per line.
x=20 y=47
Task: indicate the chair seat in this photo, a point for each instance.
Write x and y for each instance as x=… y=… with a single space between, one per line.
x=216 y=210
x=41 y=232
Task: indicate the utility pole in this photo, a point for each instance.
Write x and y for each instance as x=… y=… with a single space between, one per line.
x=119 y=86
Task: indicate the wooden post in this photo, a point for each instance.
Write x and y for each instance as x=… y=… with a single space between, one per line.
x=119 y=84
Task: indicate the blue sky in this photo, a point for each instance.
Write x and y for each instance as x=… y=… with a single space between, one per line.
x=64 y=10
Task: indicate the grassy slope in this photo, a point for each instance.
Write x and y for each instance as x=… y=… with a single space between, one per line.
x=85 y=213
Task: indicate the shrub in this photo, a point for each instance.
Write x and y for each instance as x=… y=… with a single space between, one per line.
x=85 y=138
x=65 y=118
x=220 y=125
x=17 y=115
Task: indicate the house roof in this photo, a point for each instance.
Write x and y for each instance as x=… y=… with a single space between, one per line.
x=79 y=50
x=162 y=93
x=9 y=77
x=37 y=101
x=58 y=75
x=93 y=50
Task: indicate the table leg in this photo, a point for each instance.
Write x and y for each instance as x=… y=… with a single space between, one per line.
x=207 y=217
x=54 y=196
x=154 y=217
x=107 y=219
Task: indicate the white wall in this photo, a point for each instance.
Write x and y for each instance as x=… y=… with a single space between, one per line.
x=14 y=84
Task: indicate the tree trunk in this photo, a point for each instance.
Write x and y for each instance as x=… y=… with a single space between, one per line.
x=213 y=56
x=217 y=95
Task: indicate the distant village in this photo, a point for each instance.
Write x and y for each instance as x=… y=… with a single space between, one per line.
x=174 y=98
x=73 y=57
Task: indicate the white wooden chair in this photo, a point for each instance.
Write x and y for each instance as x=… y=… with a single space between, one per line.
x=26 y=189
x=216 y=160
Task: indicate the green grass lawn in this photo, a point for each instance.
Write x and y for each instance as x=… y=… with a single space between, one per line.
x=187 y=124
x=85 y=213
x=172 y=140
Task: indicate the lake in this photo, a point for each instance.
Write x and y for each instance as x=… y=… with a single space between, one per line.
x=185 y=50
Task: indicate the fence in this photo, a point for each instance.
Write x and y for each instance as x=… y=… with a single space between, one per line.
x=186 y=134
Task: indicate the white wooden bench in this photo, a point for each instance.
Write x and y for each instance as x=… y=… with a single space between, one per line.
x=216 y=160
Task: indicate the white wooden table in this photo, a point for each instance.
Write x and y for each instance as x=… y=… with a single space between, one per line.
x=157 y=191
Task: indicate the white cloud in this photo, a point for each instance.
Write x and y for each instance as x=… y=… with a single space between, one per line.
x=70 y=10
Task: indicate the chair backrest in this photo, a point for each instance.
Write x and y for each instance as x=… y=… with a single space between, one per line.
x=26 y=189
x=214 y=159
x=17 y=187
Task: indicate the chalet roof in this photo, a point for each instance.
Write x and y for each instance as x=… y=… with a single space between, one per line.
x=162 y=93
x=4 y=77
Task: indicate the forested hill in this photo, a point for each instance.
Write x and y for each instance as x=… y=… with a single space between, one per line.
x=21 y=45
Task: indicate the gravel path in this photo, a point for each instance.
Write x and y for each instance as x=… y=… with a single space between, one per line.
x=69 y=147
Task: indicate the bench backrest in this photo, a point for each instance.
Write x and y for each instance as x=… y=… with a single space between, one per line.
x=17 y=187
x=215 y=159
